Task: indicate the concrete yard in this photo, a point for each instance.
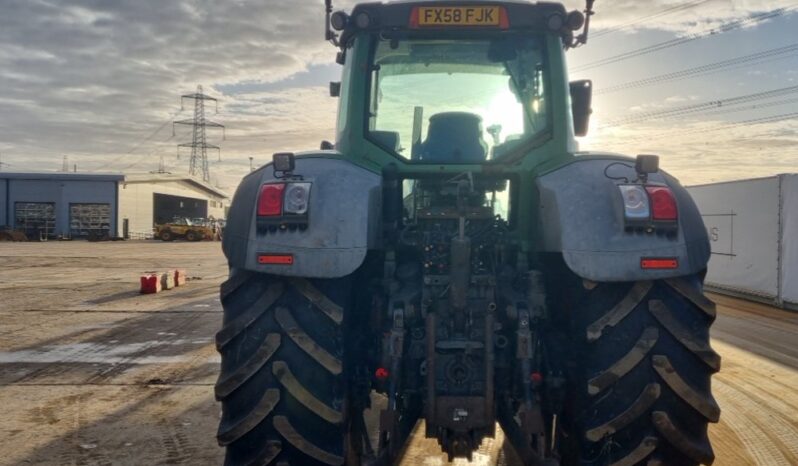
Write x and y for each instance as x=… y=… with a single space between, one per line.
x=92 y=373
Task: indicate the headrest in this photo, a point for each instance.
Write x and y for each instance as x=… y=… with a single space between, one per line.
x=454 y=137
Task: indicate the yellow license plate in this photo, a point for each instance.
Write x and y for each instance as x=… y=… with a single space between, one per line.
x=458 y=16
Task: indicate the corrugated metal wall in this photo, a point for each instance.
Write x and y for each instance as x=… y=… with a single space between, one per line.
x=61 y=193
x=5 y=218
x=136 y=203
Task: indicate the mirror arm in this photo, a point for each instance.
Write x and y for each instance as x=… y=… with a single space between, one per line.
x=329 y=35
x=581 y=39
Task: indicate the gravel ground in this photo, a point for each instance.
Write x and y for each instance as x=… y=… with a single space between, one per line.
x=92 y=373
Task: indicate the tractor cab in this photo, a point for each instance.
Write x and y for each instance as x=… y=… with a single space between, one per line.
x=470 y=83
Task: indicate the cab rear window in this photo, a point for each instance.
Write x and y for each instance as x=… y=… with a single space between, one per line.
x=457 y=101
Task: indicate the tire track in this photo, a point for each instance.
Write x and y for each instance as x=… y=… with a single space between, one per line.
x=768 y=417
x=764 y=394
x=738 y=416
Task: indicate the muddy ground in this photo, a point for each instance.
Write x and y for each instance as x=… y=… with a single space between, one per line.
x=92 y=373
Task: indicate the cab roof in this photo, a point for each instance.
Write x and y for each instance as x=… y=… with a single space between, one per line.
x=396 y=15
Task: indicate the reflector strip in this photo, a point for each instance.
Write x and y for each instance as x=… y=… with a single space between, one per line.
x=659 y=263
x=276 y=259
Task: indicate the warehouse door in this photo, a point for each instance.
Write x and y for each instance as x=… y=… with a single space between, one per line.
x=166 y=207
x=36 y=219
x=89 y=220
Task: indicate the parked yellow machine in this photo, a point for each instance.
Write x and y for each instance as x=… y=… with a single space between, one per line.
x=183 y=228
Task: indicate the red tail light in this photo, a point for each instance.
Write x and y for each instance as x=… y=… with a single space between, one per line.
x=663 y=204
x=382 y=374
x=270 y=201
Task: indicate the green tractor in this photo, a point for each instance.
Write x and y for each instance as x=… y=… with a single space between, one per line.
x=453 y=258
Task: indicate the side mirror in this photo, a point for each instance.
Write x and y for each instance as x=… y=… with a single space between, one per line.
x=326 y=145
x=335 y=89
x=581 y=97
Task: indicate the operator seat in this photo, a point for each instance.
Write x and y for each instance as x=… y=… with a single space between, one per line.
x=454 y=137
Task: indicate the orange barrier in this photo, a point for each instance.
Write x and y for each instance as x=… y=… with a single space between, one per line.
x=168 y=280
x=180 y=277
x=150 y=283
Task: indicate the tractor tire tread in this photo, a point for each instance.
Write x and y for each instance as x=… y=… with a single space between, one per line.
x=281 y=402
x=628 y=362
x=227 y=385
x=286 y=429
x=646 y=364
x=300 y=337
x=303 y=395
x=246 y=318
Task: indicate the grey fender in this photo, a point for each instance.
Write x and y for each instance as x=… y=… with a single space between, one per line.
x=343 y=220
x=581 y=217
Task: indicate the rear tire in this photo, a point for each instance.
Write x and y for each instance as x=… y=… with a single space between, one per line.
x=192 y=235
x=282 y=383
x=166 y=235
x=643 y=367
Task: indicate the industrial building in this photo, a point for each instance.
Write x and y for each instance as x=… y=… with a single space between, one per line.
x=81 y=205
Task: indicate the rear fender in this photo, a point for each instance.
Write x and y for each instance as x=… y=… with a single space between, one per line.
x=579 y=214
x=343 y=220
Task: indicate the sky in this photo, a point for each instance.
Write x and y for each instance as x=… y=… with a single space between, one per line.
x=99 y=82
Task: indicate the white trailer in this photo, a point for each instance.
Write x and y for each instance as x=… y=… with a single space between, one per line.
x=753 y=231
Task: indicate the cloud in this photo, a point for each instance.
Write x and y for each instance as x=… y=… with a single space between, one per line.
x=99 y=80
x=90 y=78
x=702 y=149
x=680 y=16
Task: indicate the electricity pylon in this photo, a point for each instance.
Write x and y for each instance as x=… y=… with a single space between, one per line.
x=199 y=146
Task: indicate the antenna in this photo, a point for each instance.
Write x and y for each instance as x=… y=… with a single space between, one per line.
x=582 y=38
x=65 y=164
x=199 y=145
x=328 y=32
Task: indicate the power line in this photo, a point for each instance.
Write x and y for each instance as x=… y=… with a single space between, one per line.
x=683 y=40
x=777 y=53
x=140 y=143
x=733 y=124
x=702 y=107
x=752 y=107
x=664 y=12
x=159 y=149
